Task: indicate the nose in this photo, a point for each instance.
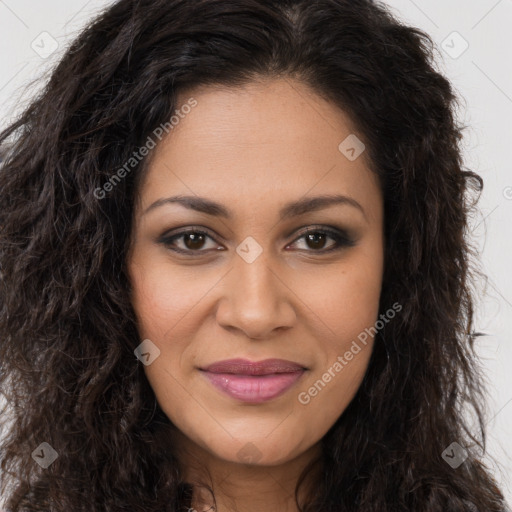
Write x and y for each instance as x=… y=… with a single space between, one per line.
x=255 y=300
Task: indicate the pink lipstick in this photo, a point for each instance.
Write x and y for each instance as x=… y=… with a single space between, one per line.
x=253 y=382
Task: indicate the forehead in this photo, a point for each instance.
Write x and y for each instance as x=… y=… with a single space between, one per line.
x=267 y=142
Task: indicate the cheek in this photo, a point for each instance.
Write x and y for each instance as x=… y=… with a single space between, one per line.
x=167 y=301
x=346 y=298
x=347 y=305
x=162 y=296
x=163 y=300
x=329 y=391
x=344 y=351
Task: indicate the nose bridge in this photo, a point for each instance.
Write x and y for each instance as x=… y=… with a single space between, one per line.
x=255 y=299
x=255 y=278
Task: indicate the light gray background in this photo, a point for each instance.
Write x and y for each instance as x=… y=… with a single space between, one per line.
x=482 y=74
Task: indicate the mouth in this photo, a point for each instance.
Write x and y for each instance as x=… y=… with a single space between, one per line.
x=253 y=382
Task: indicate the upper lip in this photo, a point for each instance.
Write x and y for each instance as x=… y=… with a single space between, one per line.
x=246 y=367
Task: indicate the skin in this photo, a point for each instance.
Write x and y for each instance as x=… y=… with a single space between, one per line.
x=253 y=149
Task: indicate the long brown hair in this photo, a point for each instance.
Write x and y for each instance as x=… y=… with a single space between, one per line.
x=67 y=329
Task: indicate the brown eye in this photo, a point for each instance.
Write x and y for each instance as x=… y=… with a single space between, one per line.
x=192 y=240
x=316 y=240
x=196 y=241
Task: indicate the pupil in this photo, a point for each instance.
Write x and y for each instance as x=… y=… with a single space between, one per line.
x=314 y=237
x=194 y=238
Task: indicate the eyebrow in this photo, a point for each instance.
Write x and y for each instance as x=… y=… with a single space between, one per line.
x=291 y=209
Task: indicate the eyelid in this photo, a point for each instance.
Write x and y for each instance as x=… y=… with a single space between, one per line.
x=325 y=228
x=181 y=231
x=342 y=237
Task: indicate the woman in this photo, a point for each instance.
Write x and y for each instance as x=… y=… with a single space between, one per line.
x=235 y=275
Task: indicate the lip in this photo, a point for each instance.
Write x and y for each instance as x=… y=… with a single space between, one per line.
x=253 y=382
x=246 y=367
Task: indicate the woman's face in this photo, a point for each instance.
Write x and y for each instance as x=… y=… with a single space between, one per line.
x=256 y=286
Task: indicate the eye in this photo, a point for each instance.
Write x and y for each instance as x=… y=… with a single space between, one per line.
x=195 y=240
x=192 y=241
x=316 y=238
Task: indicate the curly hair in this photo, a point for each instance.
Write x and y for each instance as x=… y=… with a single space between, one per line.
x=67 y=325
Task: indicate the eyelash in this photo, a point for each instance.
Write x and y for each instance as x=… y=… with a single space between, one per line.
x=341 y=240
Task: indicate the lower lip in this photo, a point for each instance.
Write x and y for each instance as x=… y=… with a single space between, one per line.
x=253 y=389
